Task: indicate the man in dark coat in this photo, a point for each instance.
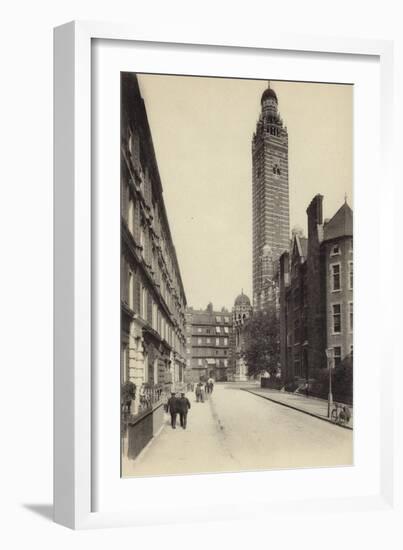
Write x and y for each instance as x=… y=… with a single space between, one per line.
x=183 y=408
x=172 y=408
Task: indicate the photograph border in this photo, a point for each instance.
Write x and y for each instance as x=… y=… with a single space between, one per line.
x=73 y=395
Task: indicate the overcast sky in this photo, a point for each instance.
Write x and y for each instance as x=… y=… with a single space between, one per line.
x=202 y=130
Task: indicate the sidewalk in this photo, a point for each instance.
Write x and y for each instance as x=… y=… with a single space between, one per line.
x=308 y=405
x=195 y=450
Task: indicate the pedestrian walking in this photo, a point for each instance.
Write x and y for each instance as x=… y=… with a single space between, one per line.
x=183 y=408
x=199 y=393
x=172 y=408
x=210 y=385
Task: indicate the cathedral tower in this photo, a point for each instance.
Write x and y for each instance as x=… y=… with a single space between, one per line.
x=270 y=198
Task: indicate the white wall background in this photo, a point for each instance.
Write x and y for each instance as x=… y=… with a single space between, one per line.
x=26 y=262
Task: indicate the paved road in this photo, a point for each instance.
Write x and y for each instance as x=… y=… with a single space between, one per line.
x=236 y=430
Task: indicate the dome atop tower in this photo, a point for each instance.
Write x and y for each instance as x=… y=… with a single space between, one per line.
x=242 y=300
x=269 y=94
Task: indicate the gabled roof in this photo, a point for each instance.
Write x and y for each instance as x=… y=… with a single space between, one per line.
x=300 y=244
x=341 y=225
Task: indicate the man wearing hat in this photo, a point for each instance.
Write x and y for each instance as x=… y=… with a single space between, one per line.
x=172 y=408
x=183 y=408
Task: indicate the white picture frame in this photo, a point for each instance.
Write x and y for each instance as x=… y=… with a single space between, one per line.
x=76 y=469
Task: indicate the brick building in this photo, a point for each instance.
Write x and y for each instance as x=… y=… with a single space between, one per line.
x=207 y=343
x=337 y=248
x=270 y=198
x=294 y=308
x=153 y=300
x=316 y=293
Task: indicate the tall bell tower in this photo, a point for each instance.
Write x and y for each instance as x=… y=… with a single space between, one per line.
x=270 y=198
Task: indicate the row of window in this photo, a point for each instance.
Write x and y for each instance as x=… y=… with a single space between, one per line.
x=218 y=362
x=150 y=258
x=221 y=319
x=201 y=341
x=197 y=352
x=211 y=330
x=150 y=312
x=136 y=218
x=300 y=332
x=138 y=227
x=272 y=130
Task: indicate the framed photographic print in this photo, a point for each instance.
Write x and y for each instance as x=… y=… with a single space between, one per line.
x=212 y=317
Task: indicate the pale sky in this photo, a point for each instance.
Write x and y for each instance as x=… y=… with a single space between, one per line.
x=202 y=130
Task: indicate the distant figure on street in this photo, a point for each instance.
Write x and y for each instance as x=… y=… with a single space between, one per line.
x=199 y=393
x=183 y=408
x=210 y=383
x=172 y=408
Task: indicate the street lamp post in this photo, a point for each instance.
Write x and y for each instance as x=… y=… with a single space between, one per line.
x=330 y=358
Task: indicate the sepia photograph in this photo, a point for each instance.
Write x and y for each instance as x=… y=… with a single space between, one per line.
x=236 y=290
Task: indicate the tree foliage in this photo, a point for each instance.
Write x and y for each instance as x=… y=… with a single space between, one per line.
x=342 y=382
x=127 y=392
x=262 y=343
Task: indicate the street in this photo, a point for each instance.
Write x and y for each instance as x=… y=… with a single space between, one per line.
x=235 y=430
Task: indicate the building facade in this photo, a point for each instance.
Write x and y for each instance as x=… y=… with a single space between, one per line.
x=337 y=249
x=153 y=301
x=294 y=310
x=208 y=335
x=316 y=294
x=270 y=198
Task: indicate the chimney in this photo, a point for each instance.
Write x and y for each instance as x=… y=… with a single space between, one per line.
x=315 y=214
